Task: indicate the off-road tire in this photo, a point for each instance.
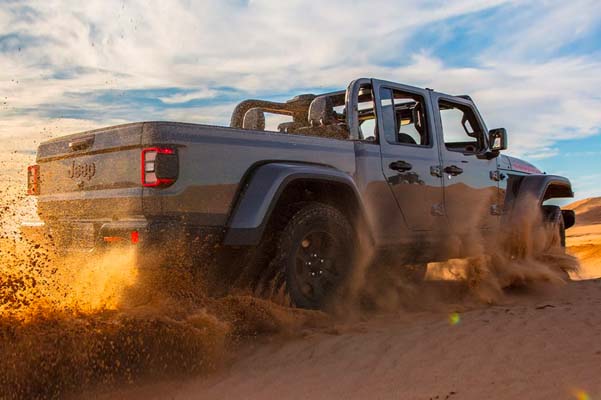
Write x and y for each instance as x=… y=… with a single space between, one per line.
x=556 y=241
x=313 y=227
x=553 y=219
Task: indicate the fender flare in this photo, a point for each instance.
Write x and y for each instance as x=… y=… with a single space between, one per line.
x=539 y=187
x=262 y=191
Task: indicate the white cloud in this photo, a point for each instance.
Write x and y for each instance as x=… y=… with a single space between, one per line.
x=534 y=29
x=210 y=115
x=545 y=152
x=72 y=50
x=186 y=97
x=586 y=186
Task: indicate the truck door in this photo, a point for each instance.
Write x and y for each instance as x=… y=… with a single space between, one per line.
x=471 y=189
x=409 y=153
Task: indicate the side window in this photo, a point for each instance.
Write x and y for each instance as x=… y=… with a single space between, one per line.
x=460 y=128
x=367 y=118
x=368 y=129
x=403 y=118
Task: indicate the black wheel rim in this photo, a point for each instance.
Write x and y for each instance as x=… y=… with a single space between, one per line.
x=317 y=259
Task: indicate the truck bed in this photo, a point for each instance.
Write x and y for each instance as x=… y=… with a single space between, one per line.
x=96 y=174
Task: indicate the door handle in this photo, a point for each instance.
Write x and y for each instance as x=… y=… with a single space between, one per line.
x=453 y=170
x=400 y=166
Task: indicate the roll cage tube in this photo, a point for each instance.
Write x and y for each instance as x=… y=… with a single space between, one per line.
x=297 y=108
x=352 y=108
x=246 y=105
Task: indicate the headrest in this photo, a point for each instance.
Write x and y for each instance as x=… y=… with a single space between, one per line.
x=417 y=117
x=404 y=138
x=254 y=119
x=321 y=111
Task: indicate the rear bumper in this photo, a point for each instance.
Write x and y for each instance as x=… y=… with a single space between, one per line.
x=90 y=236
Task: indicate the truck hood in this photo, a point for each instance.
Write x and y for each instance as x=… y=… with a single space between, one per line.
x=518 y=165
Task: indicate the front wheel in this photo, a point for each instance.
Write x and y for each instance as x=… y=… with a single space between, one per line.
x=556 y=237
x=316 y=251
x=555 y=227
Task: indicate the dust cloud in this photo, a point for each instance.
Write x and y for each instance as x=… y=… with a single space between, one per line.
x=72 y=323
x=524 y=252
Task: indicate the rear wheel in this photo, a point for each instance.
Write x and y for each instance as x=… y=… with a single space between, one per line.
x=315 y=252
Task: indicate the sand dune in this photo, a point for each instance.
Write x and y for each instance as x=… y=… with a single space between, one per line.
x=587 y=210
x=584 y=239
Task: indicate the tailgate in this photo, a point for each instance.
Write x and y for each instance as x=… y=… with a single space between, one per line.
x=93 y=174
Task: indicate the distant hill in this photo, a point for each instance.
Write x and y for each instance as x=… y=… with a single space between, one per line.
x=588 y=211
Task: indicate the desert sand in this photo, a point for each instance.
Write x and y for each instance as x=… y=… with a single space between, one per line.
x=584 y=238
x=543 y=345
x=538 y=342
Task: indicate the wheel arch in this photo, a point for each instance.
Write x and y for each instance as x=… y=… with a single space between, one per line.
x=536 y=189
x=270 y=186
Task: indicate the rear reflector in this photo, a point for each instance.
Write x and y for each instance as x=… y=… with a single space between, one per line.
x=134 y=237
x=159 y=166
x=33 y=180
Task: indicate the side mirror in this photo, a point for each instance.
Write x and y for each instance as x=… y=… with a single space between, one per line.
x=497 y=139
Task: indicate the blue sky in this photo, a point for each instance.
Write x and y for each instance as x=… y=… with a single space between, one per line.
x=532 y=66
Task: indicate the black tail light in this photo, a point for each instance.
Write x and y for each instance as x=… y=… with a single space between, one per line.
x=33 y=180
x=160 y=166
